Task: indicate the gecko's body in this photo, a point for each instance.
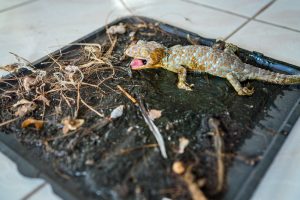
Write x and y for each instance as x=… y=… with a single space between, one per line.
x=180 y=59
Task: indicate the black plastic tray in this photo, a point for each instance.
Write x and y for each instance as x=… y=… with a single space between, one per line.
x=242 y=178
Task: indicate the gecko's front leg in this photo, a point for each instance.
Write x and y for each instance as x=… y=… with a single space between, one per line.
x=181 y=71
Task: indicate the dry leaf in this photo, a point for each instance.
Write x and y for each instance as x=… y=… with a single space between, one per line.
x=23 y=107
x=132 y=34
x=38 y=124
x=21 y=102
x=116 y=29
x=58 y=110
x=71 y=124
x=183 y=143
x=96 y=50
x=117 y=112
x=43 y=99
x=154 y=114
x=71 y=68
x=10 y=68
x=28 y=82
x=40 y=74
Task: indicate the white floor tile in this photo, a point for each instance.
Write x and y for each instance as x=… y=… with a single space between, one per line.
x=282 y=179
x=283 y=12
x=278 y=43
x=242 y=7
x=45 y=193
x=39 y=28
x=201 y=20
x=4 y=4
x=13 y=185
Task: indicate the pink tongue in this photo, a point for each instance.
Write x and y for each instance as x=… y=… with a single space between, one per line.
x=136 y=63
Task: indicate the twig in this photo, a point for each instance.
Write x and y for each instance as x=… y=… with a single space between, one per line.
x=193 y=187
x=65 y=98
x=193 y=42
x=27 y=65
x=92 y=109
x=188 y=178
x=133 y=100
x=54 y=60
x=8 y=121
x=126 y=151
x=60 y=136
x=77 y=100
x=153 y=128
x=247 y=160
x=111 y=48
x=214 y=124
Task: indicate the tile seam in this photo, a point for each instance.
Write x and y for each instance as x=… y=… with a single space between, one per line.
x=34 y=191
x=250 y=19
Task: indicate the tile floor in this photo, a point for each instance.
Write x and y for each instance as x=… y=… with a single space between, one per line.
x=33 y=28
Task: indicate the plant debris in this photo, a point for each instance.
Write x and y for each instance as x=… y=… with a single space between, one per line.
x=71 y=124
x=183 y=143
x=12 y=68
x=22 y=63
x=23 y=107
x=43 y=99
x=154 y=114
x=38 y=124
x=178 y=167
x=116 y=29
x=29 y=82
x=149 y=122
x=189 y=179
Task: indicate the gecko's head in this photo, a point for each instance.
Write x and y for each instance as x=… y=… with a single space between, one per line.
x=145 y=54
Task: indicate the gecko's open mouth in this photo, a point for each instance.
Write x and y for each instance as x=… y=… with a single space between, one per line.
x=138 y=63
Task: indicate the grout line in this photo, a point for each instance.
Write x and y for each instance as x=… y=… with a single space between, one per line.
x=236 y=30
x=17 y=5
x=215 y=8
x=243 y=16
x=249 y=19
x=34 y=191
x=277 y=25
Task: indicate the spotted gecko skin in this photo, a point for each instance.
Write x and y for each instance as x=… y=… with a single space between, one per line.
x=197 y=58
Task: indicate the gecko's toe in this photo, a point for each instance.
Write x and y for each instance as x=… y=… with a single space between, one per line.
x=185 y=86
x=246 y=91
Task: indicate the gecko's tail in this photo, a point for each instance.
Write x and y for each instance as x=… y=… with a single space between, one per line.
x=273 y=77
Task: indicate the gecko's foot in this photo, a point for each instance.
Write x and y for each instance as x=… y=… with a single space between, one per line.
x=245 y=91
x=220 y=44
x=230 y=48
x=185 y=86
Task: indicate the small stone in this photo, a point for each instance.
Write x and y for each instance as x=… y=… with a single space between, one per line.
x=178 y=167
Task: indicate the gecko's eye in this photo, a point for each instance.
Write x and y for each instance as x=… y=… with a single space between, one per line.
x=144 y=62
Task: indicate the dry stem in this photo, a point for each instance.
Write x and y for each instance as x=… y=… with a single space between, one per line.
x=218 y=144
x=92 y=109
